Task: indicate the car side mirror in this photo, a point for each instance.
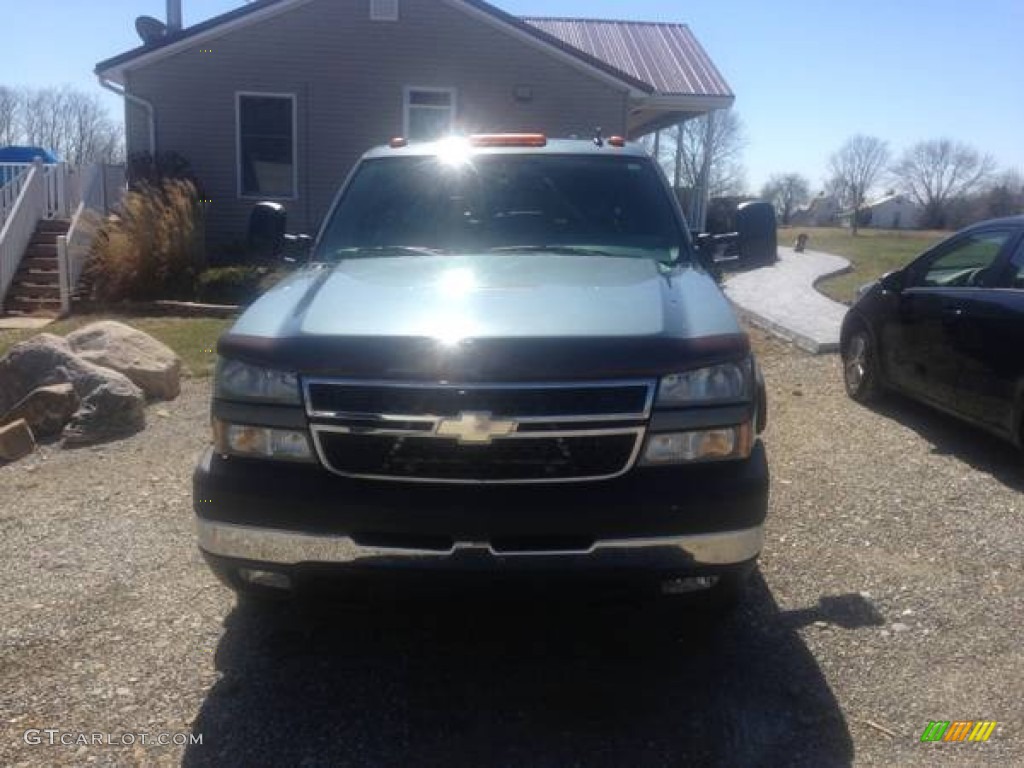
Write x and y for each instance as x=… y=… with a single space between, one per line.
x=756 y=236
x=265 y=239
x=892 y=281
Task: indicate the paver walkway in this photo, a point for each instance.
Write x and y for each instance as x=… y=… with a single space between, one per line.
x=783 y=300
x=16 y=323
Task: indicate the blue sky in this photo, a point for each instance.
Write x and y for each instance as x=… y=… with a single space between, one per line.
x=806 y=74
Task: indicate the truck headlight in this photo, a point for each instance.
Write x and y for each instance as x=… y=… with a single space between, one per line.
x=236 y=380
x=729 y=382
x=720 y=444
x=261 y=442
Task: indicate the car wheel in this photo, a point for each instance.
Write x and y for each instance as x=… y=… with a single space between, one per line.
x=860 y=367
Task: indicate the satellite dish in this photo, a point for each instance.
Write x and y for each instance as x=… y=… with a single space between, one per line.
x=150 y=30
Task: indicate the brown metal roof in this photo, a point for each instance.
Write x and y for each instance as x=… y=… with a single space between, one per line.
x=658 y=58
x=667 y=57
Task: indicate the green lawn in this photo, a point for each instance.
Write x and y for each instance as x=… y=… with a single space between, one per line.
x=194 y=339
x=873 y=252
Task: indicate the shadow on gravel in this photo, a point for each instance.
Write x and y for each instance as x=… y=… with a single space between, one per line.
x=519 y=680
x=951 y=437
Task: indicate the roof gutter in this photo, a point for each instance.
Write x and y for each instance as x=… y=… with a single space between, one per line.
x=122 y=91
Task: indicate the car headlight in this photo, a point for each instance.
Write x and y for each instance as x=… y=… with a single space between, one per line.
x=236 y=380
x=729 y=382
x=261 y=442
x=720 y=444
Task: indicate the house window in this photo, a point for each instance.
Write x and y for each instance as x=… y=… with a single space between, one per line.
x=429 y=113
x=266 y=145
x=383 y=10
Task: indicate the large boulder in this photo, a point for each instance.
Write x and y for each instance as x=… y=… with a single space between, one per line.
x=46 y=409
x=150 y=364
x=110 y=404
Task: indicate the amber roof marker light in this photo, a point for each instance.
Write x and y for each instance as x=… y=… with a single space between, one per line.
x=398 y=143
x=617 y=141
x=509 y=140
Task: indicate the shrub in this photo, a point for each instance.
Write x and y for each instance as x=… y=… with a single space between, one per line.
x=153 y=249
x=228 y=285
x=235 y=285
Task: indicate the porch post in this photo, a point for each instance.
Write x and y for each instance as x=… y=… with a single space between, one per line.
x=704 y=194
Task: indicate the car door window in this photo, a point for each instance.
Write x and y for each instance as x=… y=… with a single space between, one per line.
x=964 y=263
x=1015 y=279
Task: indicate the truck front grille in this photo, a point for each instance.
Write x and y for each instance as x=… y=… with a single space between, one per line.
x=514 y=433
x=579 y=457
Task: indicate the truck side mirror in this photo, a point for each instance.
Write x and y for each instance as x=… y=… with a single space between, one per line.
x=266 y=234
x=757 y=239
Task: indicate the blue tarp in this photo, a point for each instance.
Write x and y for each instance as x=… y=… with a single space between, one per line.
x=25 y=155
x=21 y=155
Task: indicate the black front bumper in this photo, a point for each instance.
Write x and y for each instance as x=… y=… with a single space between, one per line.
x=667 y=519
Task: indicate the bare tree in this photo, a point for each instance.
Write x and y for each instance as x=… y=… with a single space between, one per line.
x=727 y=141
x=786 y=192
x=1003 y=196
x=938 y=171
x=9 y=113
x=855 y=168
x=74 y=125
x=681 y=152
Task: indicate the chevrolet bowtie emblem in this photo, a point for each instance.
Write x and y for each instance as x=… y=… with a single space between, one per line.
x=477 y=428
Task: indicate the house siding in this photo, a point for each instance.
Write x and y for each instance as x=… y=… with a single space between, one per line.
x=348 y=75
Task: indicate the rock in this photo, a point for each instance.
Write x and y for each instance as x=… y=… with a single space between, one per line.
x=46 y=409
x=16 y=441
x=109 y=412
x=110 y=404
x=149 y=363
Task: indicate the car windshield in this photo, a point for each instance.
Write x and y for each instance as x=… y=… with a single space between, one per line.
x=504 y=203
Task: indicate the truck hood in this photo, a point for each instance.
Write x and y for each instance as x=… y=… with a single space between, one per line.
x=437 y=305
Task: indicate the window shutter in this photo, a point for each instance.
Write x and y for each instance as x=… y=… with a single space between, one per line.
x=383 y=10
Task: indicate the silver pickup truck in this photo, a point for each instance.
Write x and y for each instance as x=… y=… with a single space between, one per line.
x=505 y=356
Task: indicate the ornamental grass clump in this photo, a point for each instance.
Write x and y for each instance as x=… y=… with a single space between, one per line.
x=153 y=248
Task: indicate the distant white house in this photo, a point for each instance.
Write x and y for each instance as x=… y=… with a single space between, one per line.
x=822 y=211
x=894 y=211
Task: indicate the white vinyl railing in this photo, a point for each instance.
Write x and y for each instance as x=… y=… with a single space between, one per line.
x=33 y=192
x=98 y=189
x=61 y=194
x=18 y=221
x=14 y=178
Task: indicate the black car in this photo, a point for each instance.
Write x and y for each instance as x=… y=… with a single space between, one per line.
x=505 y=356
x=948 y=329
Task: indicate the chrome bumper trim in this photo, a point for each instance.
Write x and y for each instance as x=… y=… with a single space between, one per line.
x=287 y=548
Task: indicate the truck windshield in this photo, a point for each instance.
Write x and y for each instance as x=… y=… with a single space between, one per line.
x=614 y=206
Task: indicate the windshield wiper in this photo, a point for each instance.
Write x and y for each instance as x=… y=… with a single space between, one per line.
x=391 y=250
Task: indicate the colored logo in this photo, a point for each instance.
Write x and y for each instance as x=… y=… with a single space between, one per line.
x=478 y=428
x=958 y=730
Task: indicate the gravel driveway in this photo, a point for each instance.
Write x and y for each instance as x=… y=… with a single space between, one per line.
x=890 y=594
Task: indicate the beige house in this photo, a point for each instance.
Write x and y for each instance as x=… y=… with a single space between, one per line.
x=277 y=99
